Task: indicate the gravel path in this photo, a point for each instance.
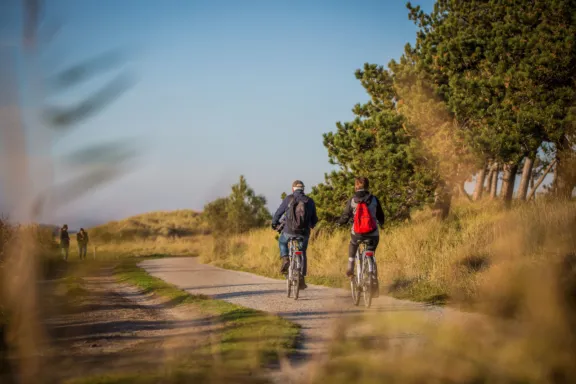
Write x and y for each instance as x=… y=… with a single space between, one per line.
x=316 y=311
x=117 y=328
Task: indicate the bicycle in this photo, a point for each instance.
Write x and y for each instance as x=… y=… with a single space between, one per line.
x=365 y=276
x=296 y=263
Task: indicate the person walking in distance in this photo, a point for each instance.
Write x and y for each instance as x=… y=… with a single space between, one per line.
x=300 y=212
x=82 y=238
x=64 y=241
x=366 y=211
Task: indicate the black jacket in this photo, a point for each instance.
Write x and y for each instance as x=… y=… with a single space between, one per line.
x=310 y=207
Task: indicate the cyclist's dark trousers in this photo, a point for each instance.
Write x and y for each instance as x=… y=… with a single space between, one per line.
x=353 y=247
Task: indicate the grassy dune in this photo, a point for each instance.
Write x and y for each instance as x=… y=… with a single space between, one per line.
x=164 y=232
x=151 y=226
x=426 y=260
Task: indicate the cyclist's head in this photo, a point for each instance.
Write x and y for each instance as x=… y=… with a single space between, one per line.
x=81 y=229
x=361 y=183
x=297 y=185
x=65 y=226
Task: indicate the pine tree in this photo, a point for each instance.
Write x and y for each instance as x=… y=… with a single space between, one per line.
x=431 y=123
x=241 y=211
x=375 y=145
x=216 y=215
x=245 y=209
x=506 y=70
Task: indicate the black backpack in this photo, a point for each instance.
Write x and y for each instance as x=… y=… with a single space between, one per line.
x=297 y=215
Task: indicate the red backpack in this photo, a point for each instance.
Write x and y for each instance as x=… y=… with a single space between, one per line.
x=363 y=221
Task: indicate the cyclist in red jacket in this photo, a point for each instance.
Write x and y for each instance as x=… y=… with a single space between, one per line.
x=367 y=213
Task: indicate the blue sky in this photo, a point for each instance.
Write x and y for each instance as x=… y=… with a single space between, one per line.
x=223 y=88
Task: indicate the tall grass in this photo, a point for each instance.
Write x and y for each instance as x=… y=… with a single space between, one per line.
x=425 y=259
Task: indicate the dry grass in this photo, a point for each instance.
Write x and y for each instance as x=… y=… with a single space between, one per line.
x=425 y=260
x=529 y=288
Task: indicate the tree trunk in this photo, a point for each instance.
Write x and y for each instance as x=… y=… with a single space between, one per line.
x=442 y=201
x=525 y=180
x=534 y=166
x=479 y=187
x=462 y=191
x=489 y=179
x=541 y=179
x=565 y=179
x=508 y=182
x=494 y=182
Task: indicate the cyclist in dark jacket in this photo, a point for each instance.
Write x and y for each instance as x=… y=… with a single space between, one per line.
x=297 y=194
x=361 y=186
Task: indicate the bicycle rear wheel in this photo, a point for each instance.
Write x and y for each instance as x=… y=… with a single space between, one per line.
x=367 y=283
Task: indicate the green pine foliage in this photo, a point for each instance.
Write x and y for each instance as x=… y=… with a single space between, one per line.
x=240 y=212
x=375 y=145
x=505 y=69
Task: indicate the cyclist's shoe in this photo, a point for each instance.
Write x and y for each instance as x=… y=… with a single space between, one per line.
x=285 y=264
x=303 y=283
x=350 y=270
